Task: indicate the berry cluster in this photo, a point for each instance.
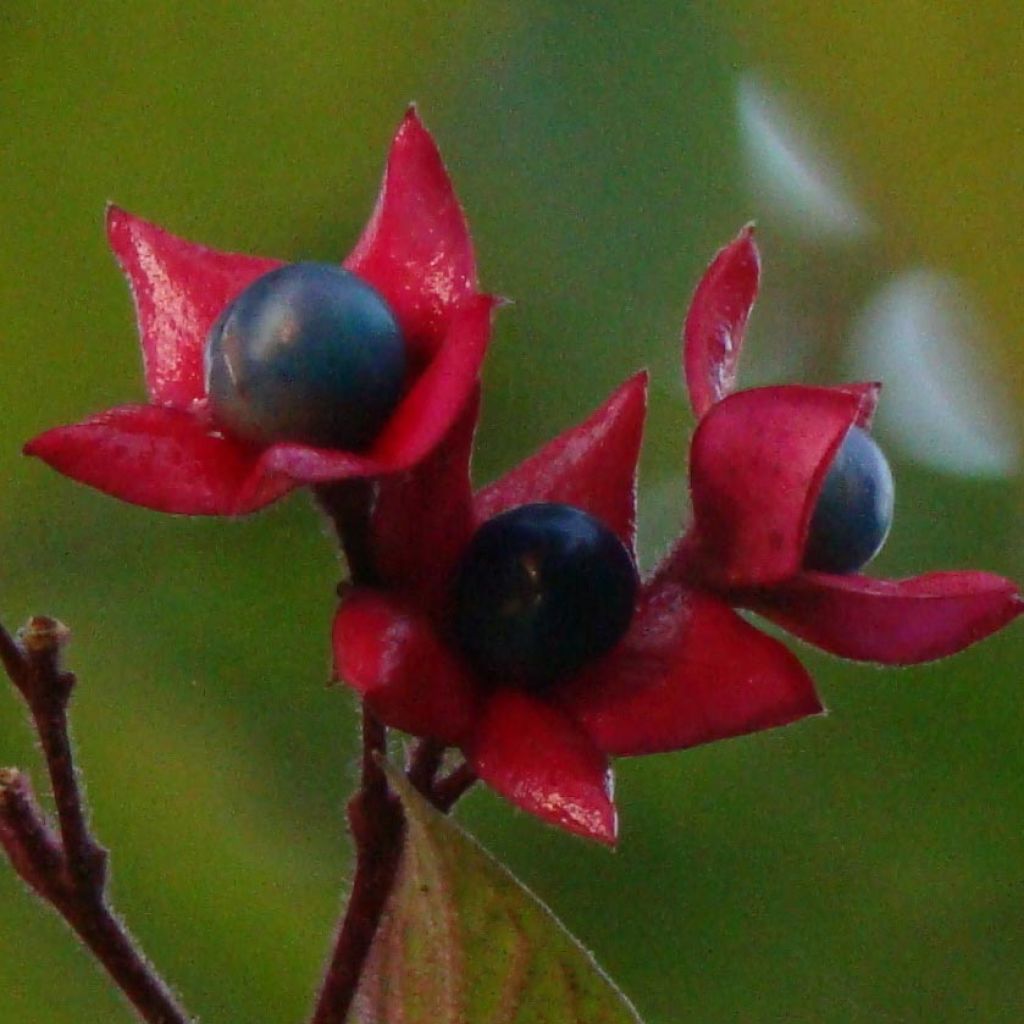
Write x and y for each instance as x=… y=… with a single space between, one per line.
x=512 y=622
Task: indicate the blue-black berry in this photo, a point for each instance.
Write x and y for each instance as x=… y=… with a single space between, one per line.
x=854 y=511
x=307 y=353
x=541 y=590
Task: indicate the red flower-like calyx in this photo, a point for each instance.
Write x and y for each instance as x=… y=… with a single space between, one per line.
x=757 y=463
x=168 y=454
x=688 y=670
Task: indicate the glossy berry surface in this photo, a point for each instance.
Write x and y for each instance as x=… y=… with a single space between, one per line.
x=541 y=590
x=306 y=353
x=854 y=511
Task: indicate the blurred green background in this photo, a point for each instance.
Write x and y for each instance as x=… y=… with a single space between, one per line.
x=864 y=867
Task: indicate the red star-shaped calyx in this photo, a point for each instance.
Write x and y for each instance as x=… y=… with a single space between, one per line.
x=688 y=670
x=168 y=454
x=758 y=461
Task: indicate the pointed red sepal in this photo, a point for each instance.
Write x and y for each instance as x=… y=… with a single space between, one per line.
x=717 y=320
x=393 y=659
x=757 y=462
x=892 y=622
x=163 y=459
x=416 y=250
x=423 y=518
x=591 y=466
x=689 y=671
x=537 y=758
x=179 y=289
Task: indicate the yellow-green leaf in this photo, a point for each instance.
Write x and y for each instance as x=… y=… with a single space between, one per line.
x=463 y=942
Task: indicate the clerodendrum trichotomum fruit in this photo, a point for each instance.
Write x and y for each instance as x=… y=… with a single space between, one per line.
x=541 y=590
x=854 y=511
x=308 y=353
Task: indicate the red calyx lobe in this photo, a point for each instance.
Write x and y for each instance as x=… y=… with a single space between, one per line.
x=717 y=320
x=758 y=460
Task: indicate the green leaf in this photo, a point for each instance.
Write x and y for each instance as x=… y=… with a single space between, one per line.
x=463 y=942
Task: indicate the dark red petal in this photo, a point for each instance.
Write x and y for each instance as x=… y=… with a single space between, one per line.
x=416 y=248
x=536 y=757
x=757 y=462
x=713 y=332
x=422 y=418
x=894 y=622
x=179 y=289
x=423 y=518
x=689 y=671
x=394 y=660
x=591 y=466
x=163 y=459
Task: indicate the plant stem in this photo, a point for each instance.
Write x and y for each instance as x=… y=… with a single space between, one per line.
x=348 y=504
x=67 y=867
x=86 y=859
x=424 y=764
x=378 y=825
x=446 y=792
x=375 y=815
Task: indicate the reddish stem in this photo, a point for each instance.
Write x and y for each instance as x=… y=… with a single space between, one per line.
x=67 y=868
x=32 y=847
x=424 y=764
x=447 y=791
x=375 y=814
x=377 y=824
x=348 y=505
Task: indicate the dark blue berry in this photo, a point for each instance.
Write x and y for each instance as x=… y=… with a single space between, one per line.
x=308 y=353
x=541 y=590
x=854 y=511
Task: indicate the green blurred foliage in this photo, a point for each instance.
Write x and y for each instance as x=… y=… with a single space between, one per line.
x=864 y=867
x=924 y=101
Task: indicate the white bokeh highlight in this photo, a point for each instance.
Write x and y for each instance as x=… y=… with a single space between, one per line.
x=788 y=172
x=943 y=404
